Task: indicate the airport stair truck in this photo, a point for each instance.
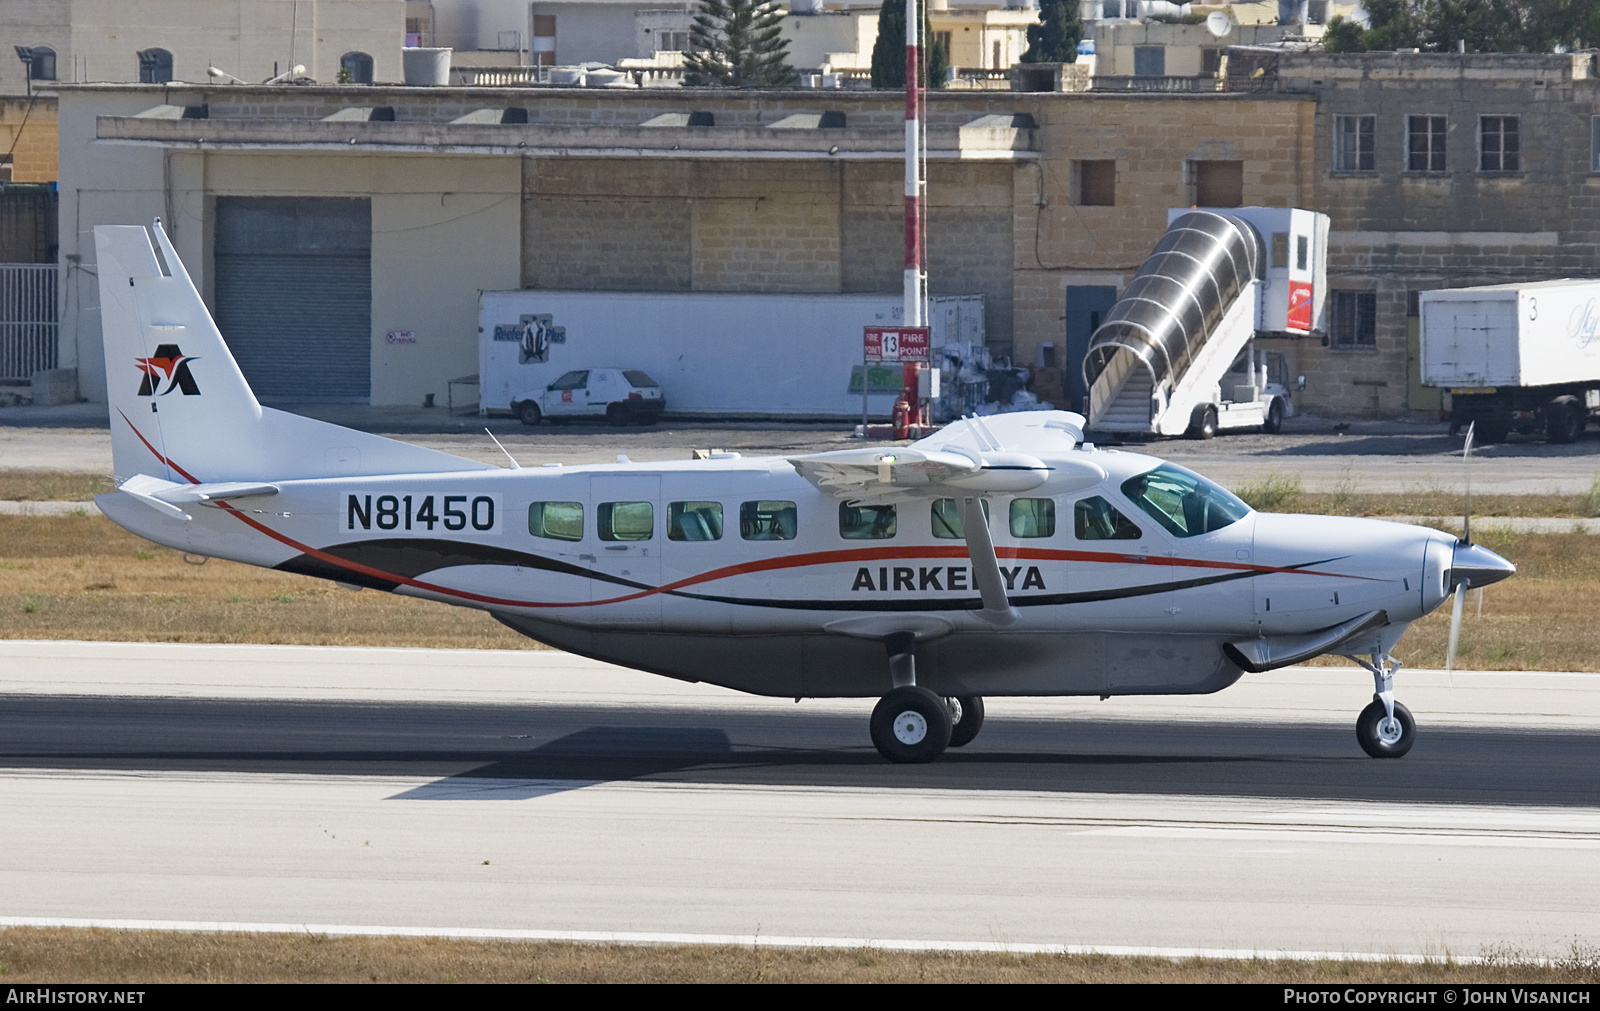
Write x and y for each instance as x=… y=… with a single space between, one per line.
x=1176 y=354
x=1515 y=357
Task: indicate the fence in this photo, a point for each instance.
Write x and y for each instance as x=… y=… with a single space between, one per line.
x=28 y=319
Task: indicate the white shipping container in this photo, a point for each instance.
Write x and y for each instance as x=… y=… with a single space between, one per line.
x=713 y=354
x=1496 y=335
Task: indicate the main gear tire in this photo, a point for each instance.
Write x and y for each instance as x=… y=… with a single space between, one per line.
x=911 y=725
x=967 y=713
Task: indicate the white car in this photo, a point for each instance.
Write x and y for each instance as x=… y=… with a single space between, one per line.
x=621 y=396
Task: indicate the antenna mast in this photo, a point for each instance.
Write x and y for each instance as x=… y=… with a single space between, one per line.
x=915 y=279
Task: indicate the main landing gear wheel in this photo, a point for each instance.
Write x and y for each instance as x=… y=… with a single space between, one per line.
x=1382 y=737
x=967 y=713
x=911 y=724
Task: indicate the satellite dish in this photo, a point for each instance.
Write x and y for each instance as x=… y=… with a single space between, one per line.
x=1218 y=23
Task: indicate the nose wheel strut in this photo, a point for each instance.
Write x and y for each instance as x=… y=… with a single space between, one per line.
x=1385 y=728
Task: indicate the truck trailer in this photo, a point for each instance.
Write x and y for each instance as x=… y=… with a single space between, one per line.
x=1515 y=357
x=715 y=355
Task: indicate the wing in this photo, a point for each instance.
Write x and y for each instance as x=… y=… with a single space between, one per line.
x=965 y=457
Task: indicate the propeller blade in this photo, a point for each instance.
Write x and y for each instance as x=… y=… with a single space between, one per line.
x=1466 y=467
x=1455 y=627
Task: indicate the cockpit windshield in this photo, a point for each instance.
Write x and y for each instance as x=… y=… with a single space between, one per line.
x=1183 y=502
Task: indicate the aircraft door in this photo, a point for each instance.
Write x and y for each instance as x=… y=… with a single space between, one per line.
x=1122 y=562
x=630 y=530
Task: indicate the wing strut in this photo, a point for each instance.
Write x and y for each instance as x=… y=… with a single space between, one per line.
x=997 y=610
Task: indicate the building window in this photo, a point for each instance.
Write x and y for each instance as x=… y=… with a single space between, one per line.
x=355 y=68
x=1499 y=148
x=1425 y=143
x=1353 y=319
x=1218 y=183
x=1096 y=183
x=1211 y=60
x=40 y=62
x=1594 y=143
x=1354 y=143
x=155 y=66
x=544 y=40
x=1149 y=61
x=1317 y=12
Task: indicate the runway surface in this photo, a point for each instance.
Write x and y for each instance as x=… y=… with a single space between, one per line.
x=538 y=791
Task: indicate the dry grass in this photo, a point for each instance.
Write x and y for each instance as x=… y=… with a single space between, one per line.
x=1284 y=492
x=45 y=486
x=49 y=955
x=83 y=577
x=1540 y=619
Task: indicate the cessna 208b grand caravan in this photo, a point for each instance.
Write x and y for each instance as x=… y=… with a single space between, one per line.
x=1000 y=556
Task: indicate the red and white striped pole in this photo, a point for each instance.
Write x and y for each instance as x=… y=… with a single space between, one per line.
x=913 y=276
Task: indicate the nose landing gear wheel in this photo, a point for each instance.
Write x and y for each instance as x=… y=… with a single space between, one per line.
x=1382 y=737
x=967 y=712
x=911 y=724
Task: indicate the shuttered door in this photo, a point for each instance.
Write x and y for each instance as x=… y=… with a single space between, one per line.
x=294 y=295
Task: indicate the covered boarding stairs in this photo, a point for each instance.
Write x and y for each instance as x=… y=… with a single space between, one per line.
x=1155 y=362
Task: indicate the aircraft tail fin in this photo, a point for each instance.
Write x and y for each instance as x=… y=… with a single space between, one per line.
x=181 y=410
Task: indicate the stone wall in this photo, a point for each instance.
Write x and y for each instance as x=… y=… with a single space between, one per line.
x=28 y=132
x=1396 y=231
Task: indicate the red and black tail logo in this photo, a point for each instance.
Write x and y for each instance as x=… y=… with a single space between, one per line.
x=170 y=366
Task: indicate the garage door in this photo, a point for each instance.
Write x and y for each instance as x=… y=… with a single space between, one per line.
x=294 y=295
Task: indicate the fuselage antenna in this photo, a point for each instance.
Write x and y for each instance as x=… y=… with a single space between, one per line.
x=514 y=464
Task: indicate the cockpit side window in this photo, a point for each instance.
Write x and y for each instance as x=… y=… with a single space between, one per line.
x=1183 y=502
x=1095 y=519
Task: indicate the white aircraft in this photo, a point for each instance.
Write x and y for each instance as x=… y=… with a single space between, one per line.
x=997 y=557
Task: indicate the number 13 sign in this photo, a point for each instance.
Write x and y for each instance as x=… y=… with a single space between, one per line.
x=896 y=344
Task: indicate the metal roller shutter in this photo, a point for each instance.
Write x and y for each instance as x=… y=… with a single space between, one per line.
x=294 y=294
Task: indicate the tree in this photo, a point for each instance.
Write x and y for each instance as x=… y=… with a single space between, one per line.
x=1482 y=26
x=737 y=44
x=1055 y=38
x=889 y=50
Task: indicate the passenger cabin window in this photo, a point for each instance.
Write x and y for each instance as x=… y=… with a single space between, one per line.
x=694 y=521
x=1033 y=517
x=1095 y=519
x=945 y=517
x=562 y=521
x=626 y=521
x=866 y=522
x=577 y=379
x=767 y=521
x=1183 y=502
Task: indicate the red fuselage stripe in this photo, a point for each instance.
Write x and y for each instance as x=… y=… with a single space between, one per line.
x=744 y=568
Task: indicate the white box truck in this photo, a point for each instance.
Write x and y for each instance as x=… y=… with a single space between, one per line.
x=1515 y=357
x=714 y=355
